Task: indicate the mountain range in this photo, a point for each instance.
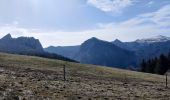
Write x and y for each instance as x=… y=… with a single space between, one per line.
x=98 y=52
x=93 y=51
x=117 y=53
x=26 y=46
x=147 y=48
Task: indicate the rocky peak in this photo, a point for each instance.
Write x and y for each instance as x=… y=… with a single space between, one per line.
x=7 y=37
x=20 y=44
x=93 y=39
x=117 y=41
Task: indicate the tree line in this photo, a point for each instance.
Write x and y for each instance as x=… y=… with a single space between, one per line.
x=158 y=65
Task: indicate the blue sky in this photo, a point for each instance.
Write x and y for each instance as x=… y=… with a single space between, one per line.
x=70 y=22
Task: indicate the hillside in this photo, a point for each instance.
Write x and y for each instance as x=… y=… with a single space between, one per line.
x=66 y=51
x=99 y=52
x=34 y=78
x=27 y=46
x=20 y=45
x=147 y=48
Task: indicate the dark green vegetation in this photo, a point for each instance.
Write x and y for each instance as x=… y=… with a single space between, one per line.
x=157 y=65
x=34 y=78
x=48 y=55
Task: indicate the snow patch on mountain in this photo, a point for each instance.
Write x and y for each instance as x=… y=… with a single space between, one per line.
x=158 y=38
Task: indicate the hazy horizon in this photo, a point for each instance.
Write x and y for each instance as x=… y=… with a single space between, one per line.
x=67 y=23
x=156 y=36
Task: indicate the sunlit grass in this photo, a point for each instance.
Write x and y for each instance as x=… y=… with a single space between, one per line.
x=51 y=64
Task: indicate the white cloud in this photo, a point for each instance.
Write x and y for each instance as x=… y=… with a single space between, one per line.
x=110 y=5
x=15 y=22
x=142 y=26
x=161 y=17
x=150 y=3
x=56 y=38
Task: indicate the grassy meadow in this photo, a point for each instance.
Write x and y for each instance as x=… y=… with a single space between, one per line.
x=34 y=78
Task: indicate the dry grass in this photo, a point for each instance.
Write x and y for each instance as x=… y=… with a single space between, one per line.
x=26 y=77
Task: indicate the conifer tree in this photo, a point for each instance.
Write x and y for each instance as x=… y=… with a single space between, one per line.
x=157 y=65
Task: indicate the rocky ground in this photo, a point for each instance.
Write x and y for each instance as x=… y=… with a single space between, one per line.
x=21 y=83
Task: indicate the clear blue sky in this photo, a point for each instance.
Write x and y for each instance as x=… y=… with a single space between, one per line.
x=70 y=22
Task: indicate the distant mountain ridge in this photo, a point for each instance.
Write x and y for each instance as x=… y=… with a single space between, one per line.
x=140 y=48
x=20 y=45
x=155 y=39
x=66 y=51
x=26 y=46
x=147 y=48
x=98 y=52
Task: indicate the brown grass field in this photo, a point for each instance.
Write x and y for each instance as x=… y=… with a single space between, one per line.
x=34 y=78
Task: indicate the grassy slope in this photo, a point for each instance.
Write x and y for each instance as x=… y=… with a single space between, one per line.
x=83 y=81
x=50 y=64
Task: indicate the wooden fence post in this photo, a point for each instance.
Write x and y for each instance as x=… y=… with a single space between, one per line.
x=64 y=72
x=166 y=80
